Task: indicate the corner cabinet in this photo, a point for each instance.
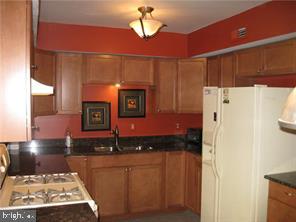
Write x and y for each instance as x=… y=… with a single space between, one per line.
x=191 y=80
x=15 y=92
x=69 y=83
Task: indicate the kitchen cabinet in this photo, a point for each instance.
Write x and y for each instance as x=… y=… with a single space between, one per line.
x=175 y=179
x=103 y=69
x=166 y=85
x=109 y=189
x=281 y=203
x=248 y=62
x=44 y=73
x=191 y=80
x=227 y=77
x=213 y=71
x=137 y=70
x=127 y=183
x=69 y=83
x=15 y=92
x=193 y=182
x=272 y=59
x=145 y=188
x=280 y=58
x=78 y=164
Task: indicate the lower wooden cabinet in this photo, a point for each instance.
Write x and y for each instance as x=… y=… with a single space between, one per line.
x=193 y=182
x=109 y=189
x=175 y=179
x=136 y=183
x=145 y=188
x=125 y=184
x=281 y=203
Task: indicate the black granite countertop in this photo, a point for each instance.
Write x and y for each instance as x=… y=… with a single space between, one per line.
x=287 y=179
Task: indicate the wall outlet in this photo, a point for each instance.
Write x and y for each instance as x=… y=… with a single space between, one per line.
x=132 y=126
x=177 y=125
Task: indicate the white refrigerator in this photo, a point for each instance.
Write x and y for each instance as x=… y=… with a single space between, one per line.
x=242 y=142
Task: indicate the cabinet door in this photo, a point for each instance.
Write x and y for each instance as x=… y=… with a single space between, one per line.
x=191 y=80
x=175 y=179
x=280 y=58
x=227 y=70
x=193 y=183
x=145 y=188
x=78 y=164
x=15 y=92
x=109 y=189
x=69 y=73
x=248 y=62
x=137 y=70
x=44 y=73
x=166 y=85
x=213 y=71
x=280 y=212
x=104 y=69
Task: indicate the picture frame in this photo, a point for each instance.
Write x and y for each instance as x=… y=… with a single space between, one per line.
x=131 y=103
x=96 y=116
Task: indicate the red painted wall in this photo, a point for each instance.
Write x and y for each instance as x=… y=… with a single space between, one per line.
x=267 y=20
x=153 y=124
x=52 y=36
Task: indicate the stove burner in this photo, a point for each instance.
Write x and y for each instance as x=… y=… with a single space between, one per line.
x=64 y=195
x=59 y=178
x=28 y=180
x=20 y=199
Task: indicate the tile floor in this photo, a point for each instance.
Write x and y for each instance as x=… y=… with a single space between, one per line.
x=185 y=216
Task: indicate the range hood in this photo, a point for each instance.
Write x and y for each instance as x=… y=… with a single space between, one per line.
x=288 y=117
x=39 y=89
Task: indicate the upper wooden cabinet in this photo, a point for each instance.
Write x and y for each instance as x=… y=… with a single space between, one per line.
x=191 y=80
x=213 y=71
x=227 y=78
x=273 y=59
x=248 y=62
x=69 y=83
x=280 y=58
x=44 y=73
x=166 y=85
x=105 y=69
x=15 y=91
x=137 y=70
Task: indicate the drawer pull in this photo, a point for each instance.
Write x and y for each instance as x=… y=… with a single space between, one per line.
x=290 y=194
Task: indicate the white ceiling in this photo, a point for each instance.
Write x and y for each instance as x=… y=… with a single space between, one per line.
x=183 y=16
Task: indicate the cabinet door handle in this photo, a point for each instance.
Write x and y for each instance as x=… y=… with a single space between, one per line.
x=34 y=67
x=126 y=169
x=290 y=194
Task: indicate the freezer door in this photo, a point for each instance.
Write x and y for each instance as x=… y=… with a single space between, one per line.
x=210 y=120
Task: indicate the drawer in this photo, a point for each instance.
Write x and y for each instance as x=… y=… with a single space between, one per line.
x=282 y=193
x=121 y=160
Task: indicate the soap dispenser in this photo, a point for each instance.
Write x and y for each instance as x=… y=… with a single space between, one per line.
x=69 y=140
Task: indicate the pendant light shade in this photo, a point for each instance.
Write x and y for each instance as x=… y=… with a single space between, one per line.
x=146 y=27
x=288 y=117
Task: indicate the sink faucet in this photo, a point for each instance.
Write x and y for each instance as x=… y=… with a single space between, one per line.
x=115 y=132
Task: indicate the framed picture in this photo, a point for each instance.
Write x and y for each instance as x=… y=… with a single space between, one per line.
x=96 y=116
x=131 y=103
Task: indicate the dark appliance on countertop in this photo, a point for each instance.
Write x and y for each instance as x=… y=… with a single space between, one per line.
x=194 y=139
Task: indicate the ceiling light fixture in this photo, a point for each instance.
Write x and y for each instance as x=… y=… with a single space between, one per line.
x=146 y=27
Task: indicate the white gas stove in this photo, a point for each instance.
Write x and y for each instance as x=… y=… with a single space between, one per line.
x=34 y=191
